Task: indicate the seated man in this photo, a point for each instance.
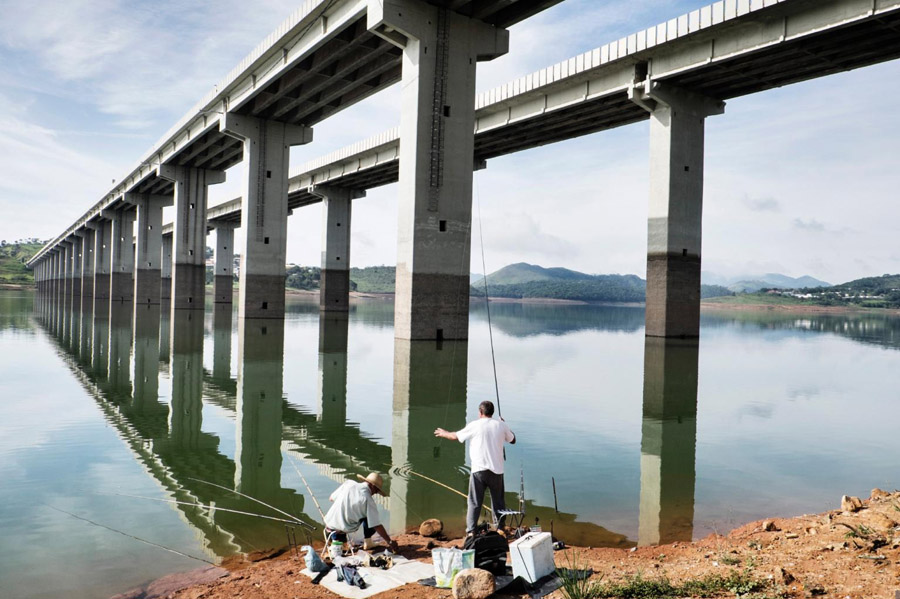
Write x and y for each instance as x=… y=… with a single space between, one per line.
x=354 y=506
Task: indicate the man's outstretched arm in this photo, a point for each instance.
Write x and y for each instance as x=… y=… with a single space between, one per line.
x=439 y=432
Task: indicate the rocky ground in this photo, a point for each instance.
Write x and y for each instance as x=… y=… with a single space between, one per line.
x=852 y=552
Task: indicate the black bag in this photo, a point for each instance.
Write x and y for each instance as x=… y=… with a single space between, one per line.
x=490 y=551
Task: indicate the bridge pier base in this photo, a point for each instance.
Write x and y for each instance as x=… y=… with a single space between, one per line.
x=148 y=247
x=223 y=281
x=121 y=284
x=102 y=258
x=189 y=233
x=674 y=228
x=437 y=146
x=264 y=210
x=334 y=282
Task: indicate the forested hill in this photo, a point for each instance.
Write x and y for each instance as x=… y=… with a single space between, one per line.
x=882 y=285
x=13 y=257
x=534 y=282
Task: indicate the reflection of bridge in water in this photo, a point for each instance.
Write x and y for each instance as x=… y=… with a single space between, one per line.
x=118 y=361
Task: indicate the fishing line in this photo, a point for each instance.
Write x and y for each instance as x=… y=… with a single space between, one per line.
x=271 y=507
x=210 y=507
x=306 y=484
x=487 y=305
x=125 y=534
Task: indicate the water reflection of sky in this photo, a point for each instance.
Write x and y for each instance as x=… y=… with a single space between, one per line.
x=791 y=413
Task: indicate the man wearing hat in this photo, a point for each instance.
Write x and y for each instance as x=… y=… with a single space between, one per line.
x=355 y=506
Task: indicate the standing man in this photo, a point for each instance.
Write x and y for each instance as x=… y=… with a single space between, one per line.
x=355 y=506
x=486 y=456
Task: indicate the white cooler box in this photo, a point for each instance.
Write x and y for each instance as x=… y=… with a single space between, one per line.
x=532 y=556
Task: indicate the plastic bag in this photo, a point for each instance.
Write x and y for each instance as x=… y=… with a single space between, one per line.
x=313 y=561
x=448 y=563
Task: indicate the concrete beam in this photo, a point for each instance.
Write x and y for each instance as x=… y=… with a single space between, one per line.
x=334 y=282
x=437 y=122
x=674 y=228
x=264 y=211
x=189 y=233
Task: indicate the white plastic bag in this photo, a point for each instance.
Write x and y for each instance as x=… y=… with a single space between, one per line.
x=448 y=562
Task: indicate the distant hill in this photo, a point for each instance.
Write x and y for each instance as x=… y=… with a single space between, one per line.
x=522 y=272
x=13 y=257
x=871 y=285
x=753 y=283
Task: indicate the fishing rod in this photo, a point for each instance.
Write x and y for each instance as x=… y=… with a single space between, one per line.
x=271 y=507
x=487 y=305
x=130 y=536
x=306 y=484
x=210 y=507
x=460 y=493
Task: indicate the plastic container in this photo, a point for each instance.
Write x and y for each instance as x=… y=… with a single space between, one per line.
x=336 y=549
x=532 y=556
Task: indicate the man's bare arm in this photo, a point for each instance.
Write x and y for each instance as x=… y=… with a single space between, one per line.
x=439 y=432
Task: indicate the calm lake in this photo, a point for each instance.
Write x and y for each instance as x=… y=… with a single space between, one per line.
x=105 y=425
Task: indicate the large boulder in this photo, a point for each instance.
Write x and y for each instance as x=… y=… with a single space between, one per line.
x=851 y=504
x=473 y=583
x=431 y=527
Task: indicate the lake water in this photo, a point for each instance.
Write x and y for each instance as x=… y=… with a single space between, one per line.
x=646 y=440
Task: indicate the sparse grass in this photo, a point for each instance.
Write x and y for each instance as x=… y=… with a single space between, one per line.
x=576 y=582
x=755 y=545
x=860 y=532
x=729 y=560
x=739 y=583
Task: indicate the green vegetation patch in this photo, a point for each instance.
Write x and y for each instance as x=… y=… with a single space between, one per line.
x=734 y=583
x=13 y=257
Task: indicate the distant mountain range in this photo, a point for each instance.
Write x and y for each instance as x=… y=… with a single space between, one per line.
x=752 y=283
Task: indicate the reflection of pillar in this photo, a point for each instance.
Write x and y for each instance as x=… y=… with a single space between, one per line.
x=100 y=338
x=85 y=332
x=121 y=286
x=186 y=410
x=674 y=226
x=260 y=383
x=119 y=370
x=437 y=149
x=223 y=282
x=189 y=233
x=332 y=392
x=429 y=392
x=165 y=345
x=264 y=210
x=146 y=356
x=334 y=282
x=165 y=273
x=668 y=441
x=222 y=342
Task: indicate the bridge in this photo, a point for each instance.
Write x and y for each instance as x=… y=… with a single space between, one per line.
x=329 y=55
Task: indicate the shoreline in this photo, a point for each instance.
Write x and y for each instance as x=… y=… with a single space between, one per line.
x=852 y=552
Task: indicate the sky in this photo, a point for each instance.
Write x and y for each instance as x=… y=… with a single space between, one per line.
x=800 y=180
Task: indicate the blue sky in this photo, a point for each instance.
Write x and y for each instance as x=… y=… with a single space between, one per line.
x=799 y=180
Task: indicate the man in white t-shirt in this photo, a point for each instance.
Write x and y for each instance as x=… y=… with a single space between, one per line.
x=486 y=437
x=353 y=507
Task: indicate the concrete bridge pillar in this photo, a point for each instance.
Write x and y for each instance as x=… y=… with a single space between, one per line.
x=68 y=264
x=334 y=282
x=429 y=392
x=332 y=383
x=59 y=273
x=87 y=268
x=674 y=228
x=165 y=273
x=77 y=268
x=189 y=233
x=148 y=246
x=223 y=281
x=121 y=286
x=668 y=441
x=264 y=210
x=437 y=123
x=102 y=258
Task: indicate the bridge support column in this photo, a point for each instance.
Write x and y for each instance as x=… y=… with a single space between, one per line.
x=121 y=286
x=264 y=210
x=148 y=246
x=437 y=123
x=674 y=228
x=224 y=277
x=668 y=441
x=77 y=259
x=334 y=282
x=189 y=233
x=87 y=268
x=102 y=258
x=68 y=262
x=165 y=273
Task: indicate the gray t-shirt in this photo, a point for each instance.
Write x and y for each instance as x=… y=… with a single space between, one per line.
x=352 y=503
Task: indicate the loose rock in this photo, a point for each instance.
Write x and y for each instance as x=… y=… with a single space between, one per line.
x=785 y=576
x=878 y=494
x=431 y=527
x=473 y=583
x=769 y=525
x=851 y=504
